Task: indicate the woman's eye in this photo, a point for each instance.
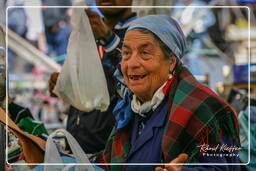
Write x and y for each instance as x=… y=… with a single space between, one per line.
x=145 y=55
x=125 y=53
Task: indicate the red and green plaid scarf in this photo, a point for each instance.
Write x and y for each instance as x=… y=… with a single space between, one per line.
x=196 y=116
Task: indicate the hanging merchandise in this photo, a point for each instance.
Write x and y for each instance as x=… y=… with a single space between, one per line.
x=32 y=146
x=82 y=82
x=53 y=155
x=32 y=126
x=24 y=119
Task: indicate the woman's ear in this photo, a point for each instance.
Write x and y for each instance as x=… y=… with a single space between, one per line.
x=173 y=61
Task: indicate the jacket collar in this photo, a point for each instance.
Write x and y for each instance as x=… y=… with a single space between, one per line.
x=157 y=119
x=126 y=23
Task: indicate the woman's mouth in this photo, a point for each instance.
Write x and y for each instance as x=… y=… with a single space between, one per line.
x=136 y=77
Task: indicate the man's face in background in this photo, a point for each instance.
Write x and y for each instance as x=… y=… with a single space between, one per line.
x=111 y=12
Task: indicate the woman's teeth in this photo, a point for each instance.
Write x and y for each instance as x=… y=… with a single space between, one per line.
x=136 y=77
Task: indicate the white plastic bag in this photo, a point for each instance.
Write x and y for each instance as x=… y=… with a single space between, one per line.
x=82 y=82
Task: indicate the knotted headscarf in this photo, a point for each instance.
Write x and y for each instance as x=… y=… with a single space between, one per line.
x=166 y=29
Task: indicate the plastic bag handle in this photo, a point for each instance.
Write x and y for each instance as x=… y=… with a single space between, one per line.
x=52 y=154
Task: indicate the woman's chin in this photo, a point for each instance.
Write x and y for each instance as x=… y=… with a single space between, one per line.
x=140 y=93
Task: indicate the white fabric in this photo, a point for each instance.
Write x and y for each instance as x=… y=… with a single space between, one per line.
x=143 y=108
x=34 y=23
x=82 y=82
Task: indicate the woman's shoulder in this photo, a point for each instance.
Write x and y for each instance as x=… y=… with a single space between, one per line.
x=196 y=97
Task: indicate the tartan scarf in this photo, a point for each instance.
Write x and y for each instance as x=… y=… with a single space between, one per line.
x=196 y=116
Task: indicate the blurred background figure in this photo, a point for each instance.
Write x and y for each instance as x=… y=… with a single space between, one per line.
x=151 y=9
x=57 y=27
x=49 y=113
x=29 y=24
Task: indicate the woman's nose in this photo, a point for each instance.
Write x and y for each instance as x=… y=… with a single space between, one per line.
x=133 y=61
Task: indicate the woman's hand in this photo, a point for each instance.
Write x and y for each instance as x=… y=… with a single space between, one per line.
x=52 y=83
x=180 y=159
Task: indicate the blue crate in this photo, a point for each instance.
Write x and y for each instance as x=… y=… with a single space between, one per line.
x=241 y=73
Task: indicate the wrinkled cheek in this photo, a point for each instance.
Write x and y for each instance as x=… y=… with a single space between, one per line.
x=123 y=70
x=155 y=79
x=126 y=80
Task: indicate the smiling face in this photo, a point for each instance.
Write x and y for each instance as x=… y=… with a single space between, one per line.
x=144 y=66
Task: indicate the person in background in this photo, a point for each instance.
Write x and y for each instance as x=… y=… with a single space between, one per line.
x=57 y=27
x=23 y=21
x=91 y=129
x=167 y=115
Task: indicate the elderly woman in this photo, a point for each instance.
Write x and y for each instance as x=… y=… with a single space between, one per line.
x=166 y=112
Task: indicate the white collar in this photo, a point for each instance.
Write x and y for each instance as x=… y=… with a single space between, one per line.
x=144 y=108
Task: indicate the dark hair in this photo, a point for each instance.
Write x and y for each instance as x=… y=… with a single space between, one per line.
x=166 y=50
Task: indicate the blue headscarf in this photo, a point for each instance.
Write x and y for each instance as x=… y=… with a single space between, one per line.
x=166 y=29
